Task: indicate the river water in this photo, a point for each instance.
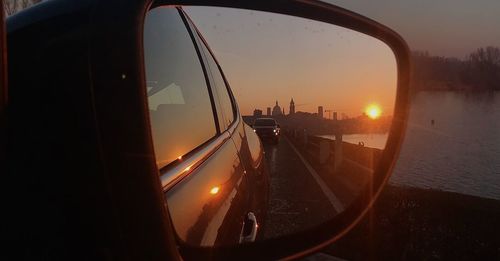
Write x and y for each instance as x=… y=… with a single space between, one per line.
x=372 y=140
x=460 y=152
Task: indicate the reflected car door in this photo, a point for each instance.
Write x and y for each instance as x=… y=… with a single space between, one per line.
x=207 y=199
x=207 y=207
x=230 y=119
x=249 y=147
x=248 y=144
x=251 y=152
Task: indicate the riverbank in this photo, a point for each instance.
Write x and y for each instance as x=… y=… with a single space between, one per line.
x=421 y=224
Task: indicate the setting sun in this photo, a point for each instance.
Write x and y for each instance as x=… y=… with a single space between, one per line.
x=373 y=111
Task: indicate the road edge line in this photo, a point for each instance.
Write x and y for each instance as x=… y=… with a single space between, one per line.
x=334 y=201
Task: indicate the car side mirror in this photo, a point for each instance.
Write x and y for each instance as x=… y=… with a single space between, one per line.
x=130 y=97
x=346 y=171
x=320 y=32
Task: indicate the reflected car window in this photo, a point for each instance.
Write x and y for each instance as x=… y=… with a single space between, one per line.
x=179 y=103
x=220 y=89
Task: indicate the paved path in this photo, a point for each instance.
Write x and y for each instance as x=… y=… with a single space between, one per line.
x=298 y=198
x=302 y=198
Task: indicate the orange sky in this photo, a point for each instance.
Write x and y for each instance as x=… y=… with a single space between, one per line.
x=268 y=57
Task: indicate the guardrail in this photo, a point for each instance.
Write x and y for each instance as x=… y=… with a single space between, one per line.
x=325 y=151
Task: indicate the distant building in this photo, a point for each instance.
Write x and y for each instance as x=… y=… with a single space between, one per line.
x=320 y=111
x=292 y=107
x=257 y=113
x=276 y=110
x=335 y=116
x=268 y=111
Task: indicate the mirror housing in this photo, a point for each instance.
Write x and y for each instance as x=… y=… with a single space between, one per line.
x=139 y=226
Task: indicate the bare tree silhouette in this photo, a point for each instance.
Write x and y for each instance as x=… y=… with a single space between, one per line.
x=13 y=6
x=10 y=7
x=483 y=68
x=479 y=71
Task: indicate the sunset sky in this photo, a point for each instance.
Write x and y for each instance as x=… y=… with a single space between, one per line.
x=452 y=28
x=268 y=57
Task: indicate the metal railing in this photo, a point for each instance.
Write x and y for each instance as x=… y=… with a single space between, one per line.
x=322 y=151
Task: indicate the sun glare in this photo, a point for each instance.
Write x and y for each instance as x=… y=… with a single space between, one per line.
x=373 y=111
x=214 y=190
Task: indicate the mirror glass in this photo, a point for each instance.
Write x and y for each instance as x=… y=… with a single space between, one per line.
x=317 y=102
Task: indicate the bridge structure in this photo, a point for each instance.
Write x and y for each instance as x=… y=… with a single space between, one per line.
x=313 y=179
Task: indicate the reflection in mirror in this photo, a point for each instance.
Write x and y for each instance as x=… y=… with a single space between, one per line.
x=331 y=89
x=319 y=100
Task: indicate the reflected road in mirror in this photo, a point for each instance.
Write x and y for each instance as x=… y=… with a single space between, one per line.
x=320 y=99
x=305 y=193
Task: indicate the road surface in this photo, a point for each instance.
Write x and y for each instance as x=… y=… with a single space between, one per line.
x=300 y=198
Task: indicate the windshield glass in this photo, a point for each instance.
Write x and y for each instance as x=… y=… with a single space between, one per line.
x=264 y=122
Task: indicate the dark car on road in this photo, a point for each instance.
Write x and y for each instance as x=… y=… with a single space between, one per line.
x=267 y=129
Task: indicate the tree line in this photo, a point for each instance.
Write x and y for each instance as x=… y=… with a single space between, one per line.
x=478 y=71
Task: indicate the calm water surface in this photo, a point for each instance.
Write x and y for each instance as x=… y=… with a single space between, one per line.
x=374 y=140
x=460 y=152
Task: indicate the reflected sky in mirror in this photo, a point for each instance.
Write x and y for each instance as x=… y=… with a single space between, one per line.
x=268 y=58
x=327 y=95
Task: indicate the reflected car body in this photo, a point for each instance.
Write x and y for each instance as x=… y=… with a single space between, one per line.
x=267 y=129
x=89 y=132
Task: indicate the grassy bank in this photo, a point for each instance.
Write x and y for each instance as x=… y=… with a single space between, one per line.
x=423 y=224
